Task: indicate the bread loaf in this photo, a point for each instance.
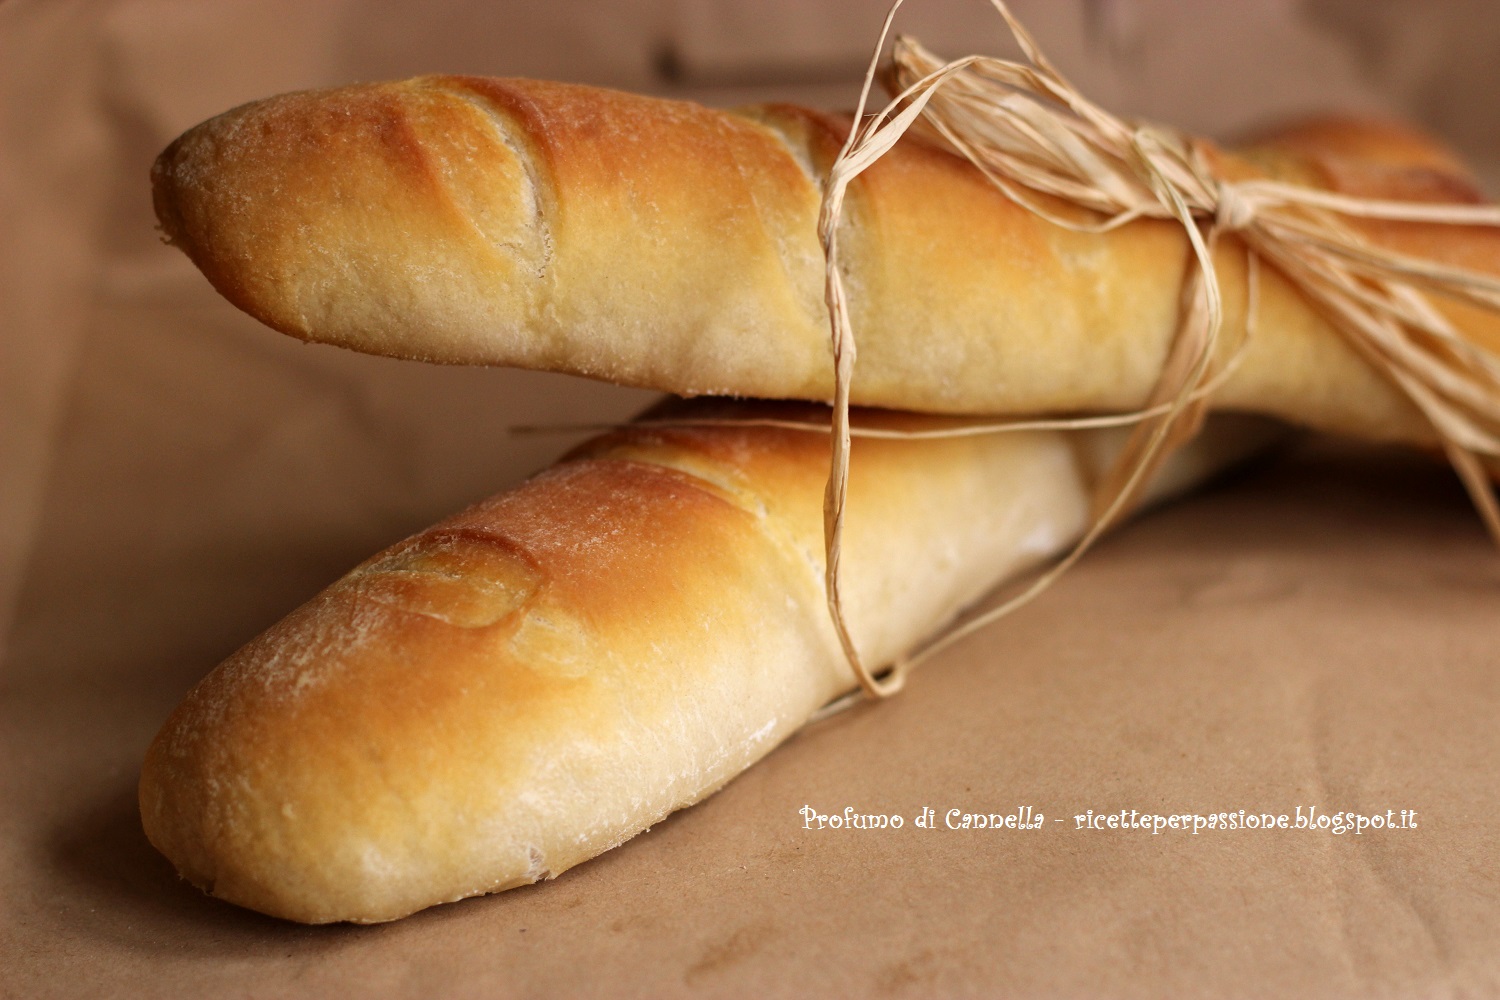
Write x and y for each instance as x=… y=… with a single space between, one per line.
x=539 y=678
x=661 y=244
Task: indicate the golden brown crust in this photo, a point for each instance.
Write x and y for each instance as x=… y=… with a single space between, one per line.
x=542 y=676
x=409 y=735
x=662 y=244
x=1370 y=143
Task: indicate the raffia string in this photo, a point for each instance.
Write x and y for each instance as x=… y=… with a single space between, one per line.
x=1030 y=131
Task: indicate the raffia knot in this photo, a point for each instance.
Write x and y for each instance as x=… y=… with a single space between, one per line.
x=1030 y=132
x=1235 y=211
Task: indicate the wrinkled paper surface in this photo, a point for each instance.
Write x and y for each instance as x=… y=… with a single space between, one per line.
x=1319 y=633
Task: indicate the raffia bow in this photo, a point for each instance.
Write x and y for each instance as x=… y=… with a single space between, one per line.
x=1029 y=131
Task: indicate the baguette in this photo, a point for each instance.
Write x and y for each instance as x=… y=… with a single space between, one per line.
x=539 y=678
x=660 y=244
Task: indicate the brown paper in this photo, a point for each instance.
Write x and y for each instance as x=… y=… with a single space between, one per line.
x=174 y=477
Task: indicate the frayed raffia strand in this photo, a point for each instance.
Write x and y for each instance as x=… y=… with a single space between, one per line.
x=1030 y=131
